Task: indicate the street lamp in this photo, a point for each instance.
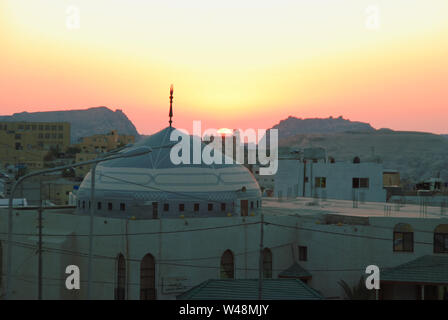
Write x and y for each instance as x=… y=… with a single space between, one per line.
x=110 y=156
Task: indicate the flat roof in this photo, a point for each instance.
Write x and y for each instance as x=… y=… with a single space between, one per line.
x=310 y=207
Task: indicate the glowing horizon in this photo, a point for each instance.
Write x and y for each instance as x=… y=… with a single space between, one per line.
x=234 y=64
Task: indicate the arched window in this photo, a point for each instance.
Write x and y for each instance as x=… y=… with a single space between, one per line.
x=403 y=238
x=267 y=263
x=441 y=239
x=227 y=265
x=148 y=278
x=120 y=286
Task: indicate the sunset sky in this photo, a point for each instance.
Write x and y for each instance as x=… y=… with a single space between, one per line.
x=233 y=63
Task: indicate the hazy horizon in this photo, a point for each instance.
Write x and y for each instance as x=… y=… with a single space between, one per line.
x=234 y=64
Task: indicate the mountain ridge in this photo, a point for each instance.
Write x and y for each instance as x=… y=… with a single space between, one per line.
x=84 y=122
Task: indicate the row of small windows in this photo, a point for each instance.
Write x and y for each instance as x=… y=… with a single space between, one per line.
x=52 y=136
x=357 y=183
x=40 y=127
x=18 y=136
x=404 y=238
x=99 y=205
x=166 y=206
x=34 y=127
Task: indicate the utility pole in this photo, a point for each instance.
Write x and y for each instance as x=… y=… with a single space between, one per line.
x=39 y=250
x=260 y=265
x=92 y=206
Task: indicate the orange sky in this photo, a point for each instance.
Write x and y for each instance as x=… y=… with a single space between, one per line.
x=234 y=63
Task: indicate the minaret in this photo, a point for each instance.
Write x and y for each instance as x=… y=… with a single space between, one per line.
x=171 y=105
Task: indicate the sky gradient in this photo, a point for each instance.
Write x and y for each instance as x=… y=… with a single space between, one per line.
x=234 y=64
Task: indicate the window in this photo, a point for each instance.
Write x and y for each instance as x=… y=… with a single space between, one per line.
x=120 y=287
x=360 y=183
x=148 y=278
x=98 y=205
x=267 y=263
x=227 y=265
x=364 y=183
x=403 y=238
x=60 y=128
x=223 y=207
x=196 y=207
x=166 y=207
x=303 y=253
x=251 y=204
x=441 y=239
x=155 y=210
x=320 y=182
x=18 y=136
x=83 y=204
x=181 y=207
x=122 y=206
x=210 y=207
x=109 y=206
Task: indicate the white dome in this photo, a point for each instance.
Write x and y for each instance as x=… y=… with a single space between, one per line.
x=128 y=186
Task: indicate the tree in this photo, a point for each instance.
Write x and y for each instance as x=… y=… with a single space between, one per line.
x=358 y=291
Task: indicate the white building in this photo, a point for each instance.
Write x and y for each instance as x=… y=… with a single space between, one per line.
x=156 y=236
x=333 y=180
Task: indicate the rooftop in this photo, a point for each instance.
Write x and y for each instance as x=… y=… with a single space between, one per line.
x=247 y=289
x=319 y=207
x=429 y=269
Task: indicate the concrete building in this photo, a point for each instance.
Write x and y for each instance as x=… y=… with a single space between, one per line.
x=364 y=181
x=26 y=144
x=161 y=230
x=100 y=143
x=162 y=258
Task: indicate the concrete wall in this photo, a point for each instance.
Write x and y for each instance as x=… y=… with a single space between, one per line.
x=294 y=178
x=188 y=251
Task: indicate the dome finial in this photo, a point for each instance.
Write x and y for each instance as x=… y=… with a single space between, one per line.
x=171 y=105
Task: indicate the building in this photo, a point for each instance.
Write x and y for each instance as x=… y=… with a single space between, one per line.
x=58 y=190
x=151 y=185
x=357 y=181
x=100 y=143
x=320 y=244
x=81 y=171
x=248 y=289
x=26 y=144
x=93 y=146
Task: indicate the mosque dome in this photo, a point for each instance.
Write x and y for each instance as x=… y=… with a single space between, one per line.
x=152 y=186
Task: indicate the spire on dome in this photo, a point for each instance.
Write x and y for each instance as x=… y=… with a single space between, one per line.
x=171 y=105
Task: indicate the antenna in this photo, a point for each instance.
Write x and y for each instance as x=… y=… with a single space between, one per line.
x=171 y=105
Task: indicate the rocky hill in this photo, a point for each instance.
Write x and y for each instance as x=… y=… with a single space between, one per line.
x=416 y=155
x=84 y=122
x=293 y=126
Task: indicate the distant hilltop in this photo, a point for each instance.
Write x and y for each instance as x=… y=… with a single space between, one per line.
x=85 y=122
x=293 y=126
